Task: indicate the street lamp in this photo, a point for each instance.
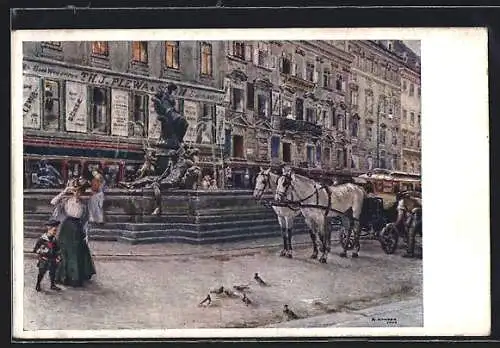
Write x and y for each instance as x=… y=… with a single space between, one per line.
x=378 y=134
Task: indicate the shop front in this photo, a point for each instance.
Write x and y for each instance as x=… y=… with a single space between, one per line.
x=77 y=119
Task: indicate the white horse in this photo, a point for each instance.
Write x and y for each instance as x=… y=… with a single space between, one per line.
x=320 y=202
x=267 y=181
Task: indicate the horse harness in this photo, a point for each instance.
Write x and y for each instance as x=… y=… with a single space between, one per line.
x=268 y=184
x=316 y=192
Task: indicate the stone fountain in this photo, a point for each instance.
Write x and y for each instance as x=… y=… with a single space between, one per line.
x=163 y=203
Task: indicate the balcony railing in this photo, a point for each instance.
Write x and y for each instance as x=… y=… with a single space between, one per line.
x=301 y=126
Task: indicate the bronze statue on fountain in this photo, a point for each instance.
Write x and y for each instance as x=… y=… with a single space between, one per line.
x=169 y=163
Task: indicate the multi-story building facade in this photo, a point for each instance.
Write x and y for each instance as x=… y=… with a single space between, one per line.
x=327 y=107
x=376 y=101
x=410 y=109
x=286 y=105
x=81 y=100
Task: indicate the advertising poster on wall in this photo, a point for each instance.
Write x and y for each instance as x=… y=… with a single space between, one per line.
x=76 y=107
x=119 y=112
x=31 y=102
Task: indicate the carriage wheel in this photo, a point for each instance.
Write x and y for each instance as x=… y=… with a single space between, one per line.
x=389 y=238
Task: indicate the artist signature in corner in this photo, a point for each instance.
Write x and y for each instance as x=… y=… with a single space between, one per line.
x=388 y=321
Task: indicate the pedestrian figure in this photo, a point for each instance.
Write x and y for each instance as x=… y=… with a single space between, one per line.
x=259 y=279
x=76 y=265
x=47 y=248
x=409 y=218
x=96 y=201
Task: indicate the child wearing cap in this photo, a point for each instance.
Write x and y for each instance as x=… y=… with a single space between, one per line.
x=47 y=248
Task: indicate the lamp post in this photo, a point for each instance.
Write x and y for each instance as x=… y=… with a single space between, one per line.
x=378 y=134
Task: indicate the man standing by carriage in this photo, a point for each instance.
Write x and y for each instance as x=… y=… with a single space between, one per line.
x=409 y=218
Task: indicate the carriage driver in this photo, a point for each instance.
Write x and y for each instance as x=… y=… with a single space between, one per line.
x=409 y=220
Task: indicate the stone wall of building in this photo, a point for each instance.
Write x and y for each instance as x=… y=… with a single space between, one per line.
x=323 y=106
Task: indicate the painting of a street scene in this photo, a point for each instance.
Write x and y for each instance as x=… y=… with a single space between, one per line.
x=222 y=184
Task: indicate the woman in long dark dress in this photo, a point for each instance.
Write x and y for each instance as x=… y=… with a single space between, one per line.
x=76 y=265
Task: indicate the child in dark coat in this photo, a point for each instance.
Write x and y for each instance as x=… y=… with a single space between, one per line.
x=47 y=248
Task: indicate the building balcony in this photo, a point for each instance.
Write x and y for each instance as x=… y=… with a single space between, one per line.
x=300 y=126
x=412 y=150
x=298 y=82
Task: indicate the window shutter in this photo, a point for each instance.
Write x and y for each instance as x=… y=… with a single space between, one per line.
x=316 y=76
x=280 y=62
x=294 y=69
x=248 y=52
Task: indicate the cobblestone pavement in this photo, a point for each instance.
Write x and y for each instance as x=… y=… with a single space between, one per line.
x=157 y=292
x=406 y=313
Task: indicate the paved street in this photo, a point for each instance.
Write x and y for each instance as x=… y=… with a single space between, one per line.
x=160 y=286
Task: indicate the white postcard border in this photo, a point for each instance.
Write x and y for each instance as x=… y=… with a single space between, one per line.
x=455 y=171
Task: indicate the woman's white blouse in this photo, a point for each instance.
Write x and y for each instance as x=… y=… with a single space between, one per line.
x=73 y=207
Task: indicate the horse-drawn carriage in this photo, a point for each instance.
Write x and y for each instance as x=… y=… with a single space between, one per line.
x=342 y=207
x=386 y=185
x=379 y=213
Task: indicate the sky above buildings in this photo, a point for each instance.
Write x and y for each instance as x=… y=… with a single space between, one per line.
x=414 y=45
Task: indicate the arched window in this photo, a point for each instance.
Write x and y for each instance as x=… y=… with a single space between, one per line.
x=340 y=122
x=394 y=137
x=338 y=83
x=405 y=166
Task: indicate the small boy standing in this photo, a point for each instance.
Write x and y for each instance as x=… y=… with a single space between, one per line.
x=47 y=248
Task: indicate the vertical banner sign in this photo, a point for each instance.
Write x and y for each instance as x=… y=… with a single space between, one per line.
x=154 y=126
x=275 y=103
x=31 y=102
x=206 y=130
x=220 y=114
x=119 y=112
x=76 y=107
x=191 y=115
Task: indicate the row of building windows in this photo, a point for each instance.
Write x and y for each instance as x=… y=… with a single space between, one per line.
x=411 y=89
x=412 y=118
x=140 y=53
x=380 y=69
x=99 y=101
x=410 y=140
